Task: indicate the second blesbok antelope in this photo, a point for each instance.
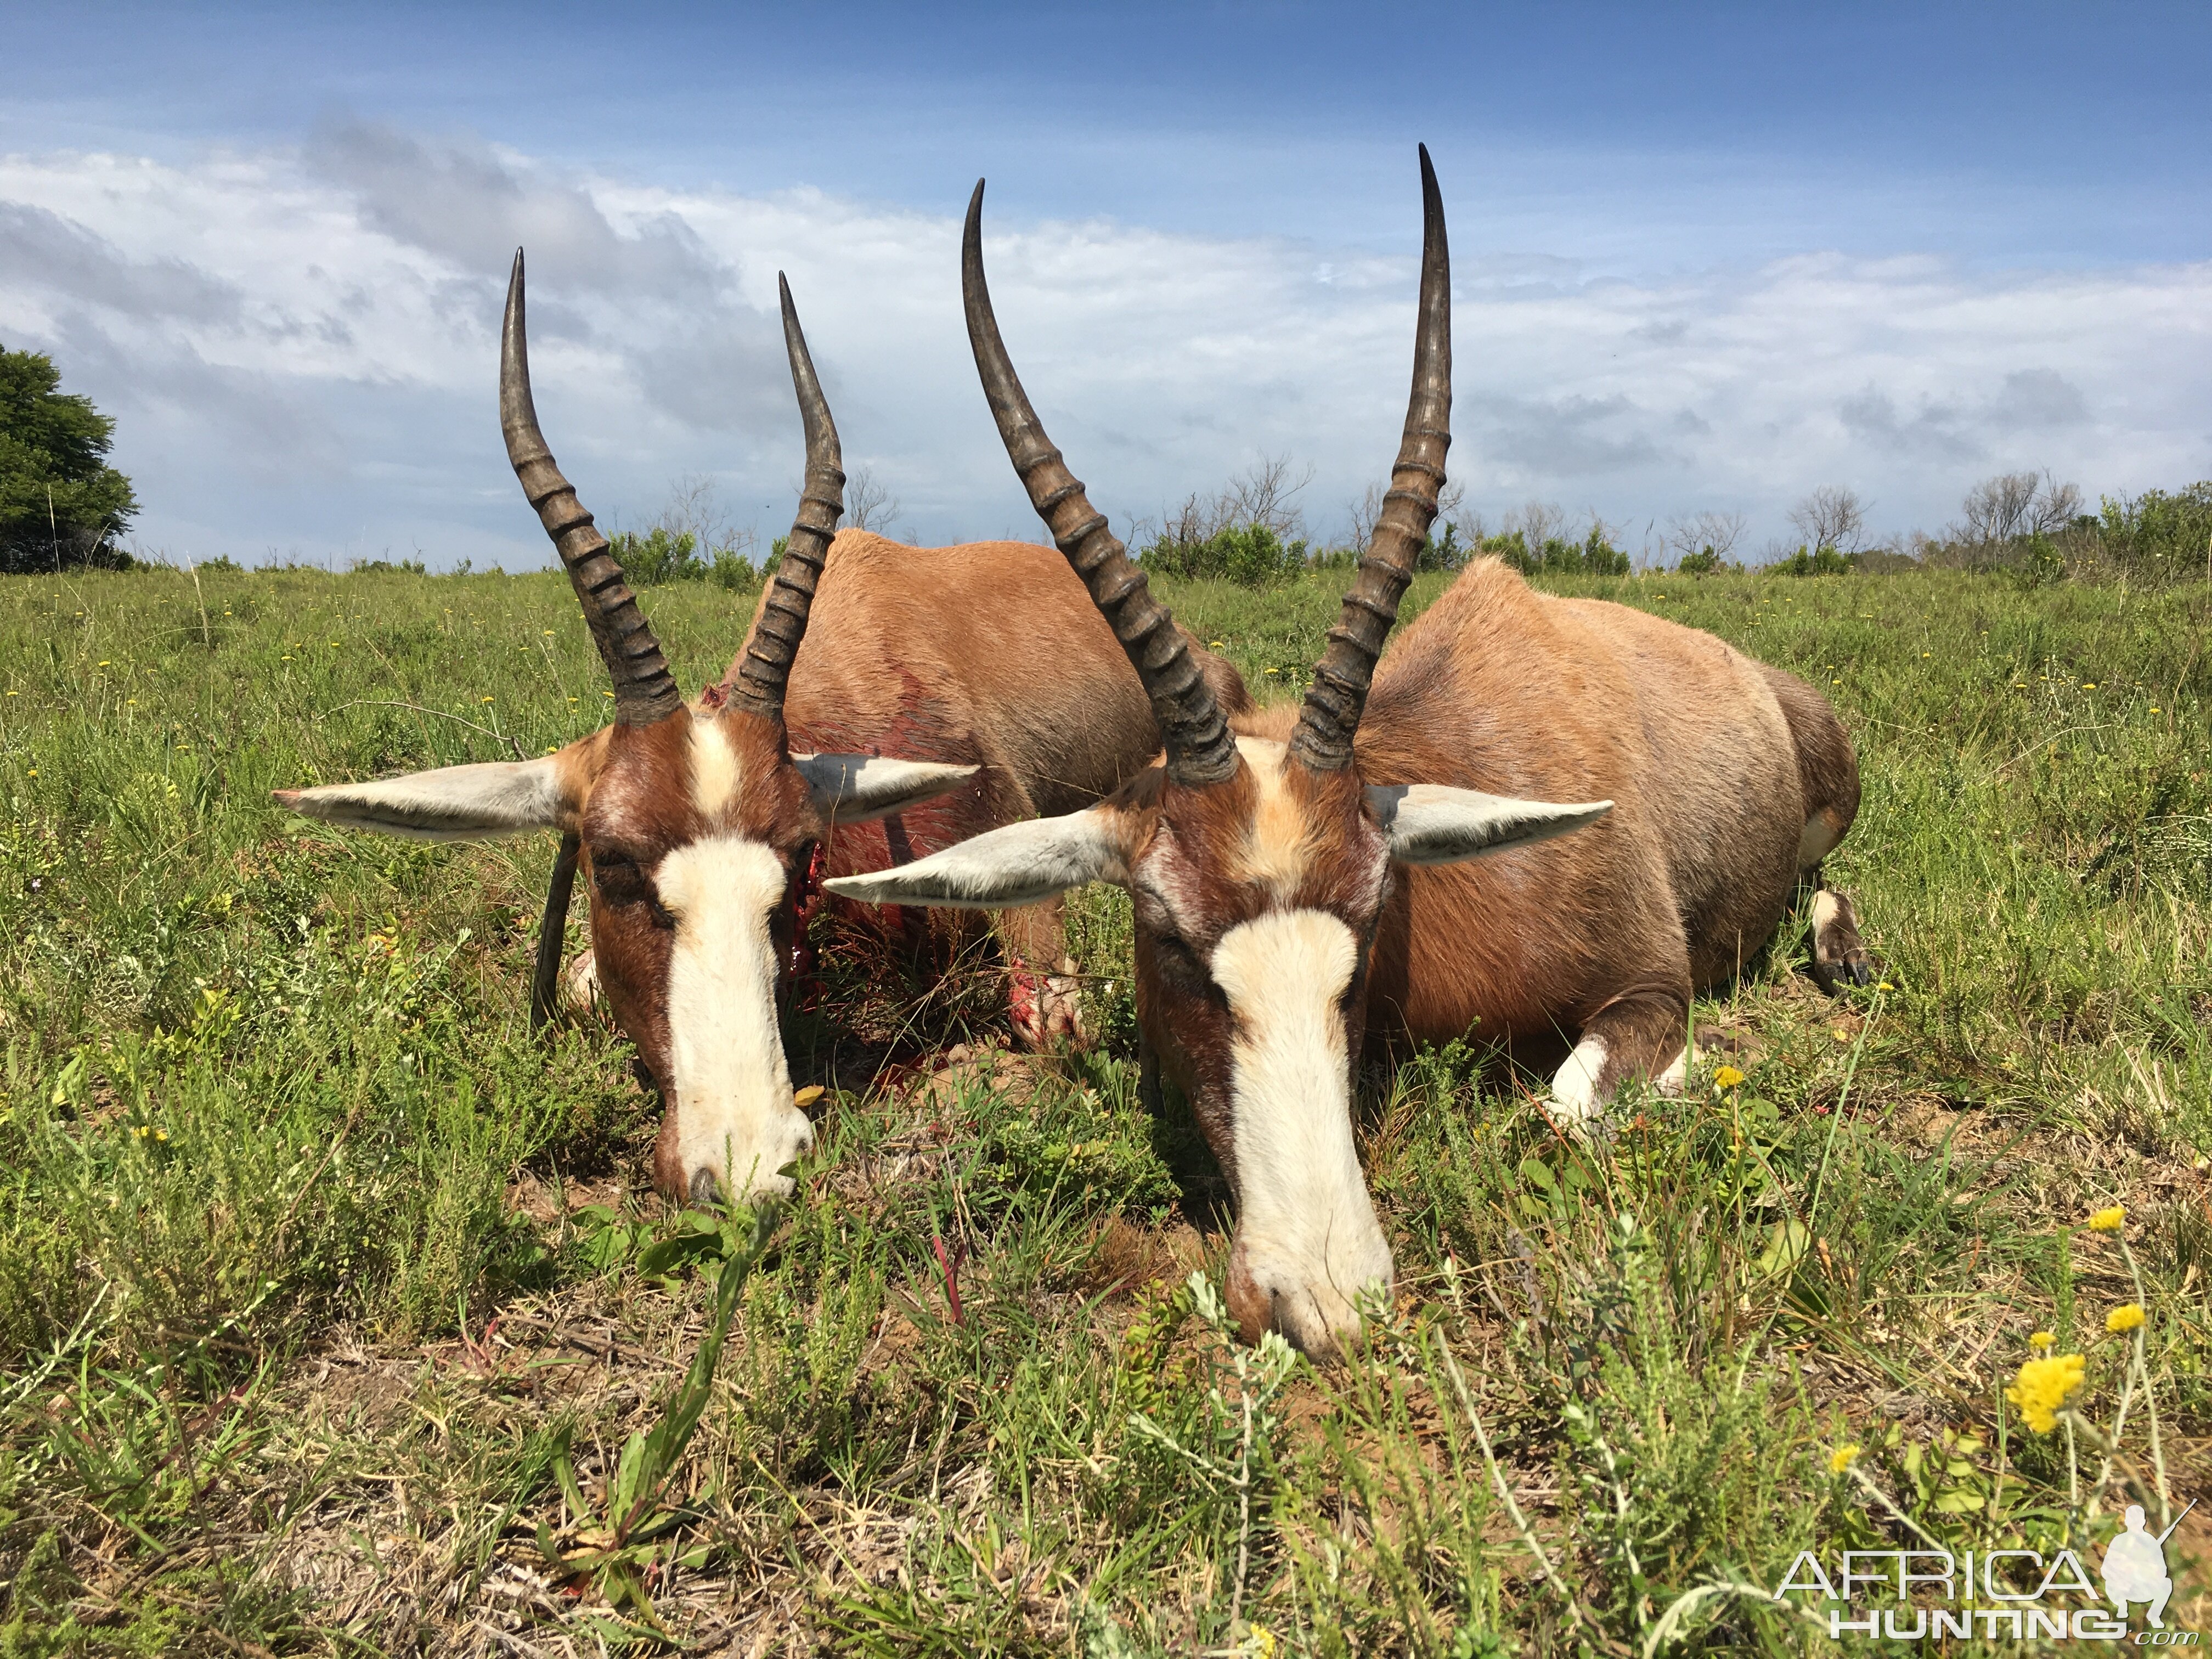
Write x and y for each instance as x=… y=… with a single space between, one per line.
x=697 y=824
x=1395 y=859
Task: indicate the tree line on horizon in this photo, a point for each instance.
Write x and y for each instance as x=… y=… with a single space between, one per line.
x=62 y=504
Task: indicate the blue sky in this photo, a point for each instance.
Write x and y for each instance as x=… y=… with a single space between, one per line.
x=1707 y=257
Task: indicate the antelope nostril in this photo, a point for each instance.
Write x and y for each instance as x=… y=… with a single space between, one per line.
x=704 y=1186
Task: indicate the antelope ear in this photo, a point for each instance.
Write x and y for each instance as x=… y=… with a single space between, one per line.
x=455 y=803
x=860 y=788
x=1004 y=868
x=1431 y=823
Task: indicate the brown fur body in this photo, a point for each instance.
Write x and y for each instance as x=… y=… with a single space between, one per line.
x=1713 y=782
x=987 y=654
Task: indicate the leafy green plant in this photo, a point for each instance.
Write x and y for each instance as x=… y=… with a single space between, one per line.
x=1248 y=555
x=1816 y=561
x=628 y=1541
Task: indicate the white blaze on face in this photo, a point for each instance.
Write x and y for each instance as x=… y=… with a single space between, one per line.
x=734 y=1118
x=1306 y=1231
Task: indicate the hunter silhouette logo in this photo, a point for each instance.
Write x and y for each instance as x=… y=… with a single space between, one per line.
x=2135 y=1566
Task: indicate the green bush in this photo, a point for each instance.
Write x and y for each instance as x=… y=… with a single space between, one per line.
x=1249 y=555
x=659 y=556
x=1594 y=556
x=1444 y=552
x=1816 y=561
x=1703 y=563
x=60 y=502
x=2158 y=534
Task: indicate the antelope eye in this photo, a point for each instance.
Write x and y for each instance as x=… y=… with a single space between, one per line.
x=619 y=881
x=1174 y=948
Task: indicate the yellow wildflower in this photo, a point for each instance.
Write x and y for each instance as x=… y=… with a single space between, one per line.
x=2041 y=1388
x=1727 y=1078
x=2041 y=1341
x=2125 y=1317
x=1840 y=1459
x=487 y=699
x=1259 y=1642
x=2109 y=1221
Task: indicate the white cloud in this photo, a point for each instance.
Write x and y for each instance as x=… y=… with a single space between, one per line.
x=299 y=346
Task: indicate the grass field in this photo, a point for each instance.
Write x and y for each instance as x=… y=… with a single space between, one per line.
x=319 y=1275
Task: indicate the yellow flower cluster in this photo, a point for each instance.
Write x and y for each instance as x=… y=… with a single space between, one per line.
x=1840 y=1459
x=2042 y=1342
x=2109 y=1221
x=1727 y=1078
x=2041 y=1387
x=2128 y=1316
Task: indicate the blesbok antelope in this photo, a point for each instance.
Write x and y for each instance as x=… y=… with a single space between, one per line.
x=697 y=824
x=1298 y=882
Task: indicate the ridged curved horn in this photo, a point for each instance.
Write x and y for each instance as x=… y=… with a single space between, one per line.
x=765 y=668
x=645 y=691
x=1200 y=749
x=1338 y=695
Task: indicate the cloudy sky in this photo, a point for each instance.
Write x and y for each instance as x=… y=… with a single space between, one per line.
x=1704 y=258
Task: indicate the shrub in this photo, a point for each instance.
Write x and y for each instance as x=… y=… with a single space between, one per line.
x=1817 y=562
x=1592 y=556
x=1703 y=563
x=2157 y=535
x=1444 y=552
x=651 y=557
x=1248 y=555
x=656 y=555
x=732 y=569
x=60 y=502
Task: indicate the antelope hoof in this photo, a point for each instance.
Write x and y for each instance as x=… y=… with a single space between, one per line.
x=1047 y=1008
x=1838 y=953
x=1577 y=1109
x=579 y=986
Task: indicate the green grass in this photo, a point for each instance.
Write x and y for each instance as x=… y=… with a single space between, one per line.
x=278 y=1148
